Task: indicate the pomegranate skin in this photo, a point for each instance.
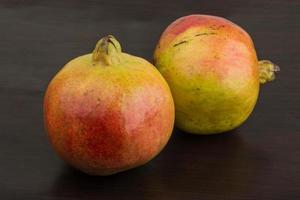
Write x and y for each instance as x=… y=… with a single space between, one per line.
x=108 y=111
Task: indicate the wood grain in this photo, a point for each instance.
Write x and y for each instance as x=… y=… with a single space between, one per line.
x=259 y=160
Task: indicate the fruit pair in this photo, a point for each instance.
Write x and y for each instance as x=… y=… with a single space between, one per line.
x=108 y=111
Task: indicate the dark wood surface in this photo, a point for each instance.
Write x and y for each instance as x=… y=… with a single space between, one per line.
x=259 y=160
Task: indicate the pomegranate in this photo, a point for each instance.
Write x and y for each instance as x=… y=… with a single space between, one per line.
x=108 y=111
x=212 y=69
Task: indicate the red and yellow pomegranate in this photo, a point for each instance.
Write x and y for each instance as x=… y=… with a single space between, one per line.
x=212 y=69
x=108 y=111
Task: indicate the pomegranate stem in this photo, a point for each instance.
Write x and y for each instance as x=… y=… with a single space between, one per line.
x=107 y=51
x=267 y=71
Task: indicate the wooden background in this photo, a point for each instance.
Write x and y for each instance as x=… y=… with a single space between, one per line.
x=259 y=160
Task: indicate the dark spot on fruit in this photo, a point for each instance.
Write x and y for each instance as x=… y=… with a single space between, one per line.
x=202 y=34
x=179 y=43
x=216 y=57
x=215 y=27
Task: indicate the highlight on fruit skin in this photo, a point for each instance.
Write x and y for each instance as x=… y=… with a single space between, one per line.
x=108 y=111
x=211 y=66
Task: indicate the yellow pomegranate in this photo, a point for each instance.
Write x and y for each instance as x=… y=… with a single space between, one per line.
x=212 y=69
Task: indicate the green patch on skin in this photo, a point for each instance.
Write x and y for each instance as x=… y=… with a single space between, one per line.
x=205 y=107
